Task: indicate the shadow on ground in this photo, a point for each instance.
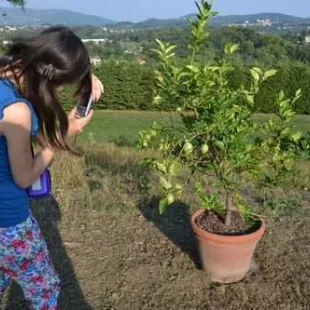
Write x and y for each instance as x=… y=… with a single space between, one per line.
x=175 y=225
x=48 y=215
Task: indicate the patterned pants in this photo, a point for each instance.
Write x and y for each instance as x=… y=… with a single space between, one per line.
x=24 y=258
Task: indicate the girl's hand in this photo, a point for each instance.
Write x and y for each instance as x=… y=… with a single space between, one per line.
x=76 y=125
x=97 y=89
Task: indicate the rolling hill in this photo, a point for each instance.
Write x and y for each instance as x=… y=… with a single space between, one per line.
x=16 y=16
x=252 y=18
x=220 y=21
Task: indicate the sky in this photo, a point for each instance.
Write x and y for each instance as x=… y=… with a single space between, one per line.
x=137 y=10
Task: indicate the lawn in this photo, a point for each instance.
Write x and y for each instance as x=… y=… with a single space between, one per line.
x=113 y=126
x=113 y=251
x=123 y=126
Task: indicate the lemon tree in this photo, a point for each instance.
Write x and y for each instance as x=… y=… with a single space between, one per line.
x=218 y=136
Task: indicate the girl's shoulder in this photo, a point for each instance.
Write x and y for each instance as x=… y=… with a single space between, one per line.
x=9 y=96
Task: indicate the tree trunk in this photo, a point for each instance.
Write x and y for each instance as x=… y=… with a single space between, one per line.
x=229 y=208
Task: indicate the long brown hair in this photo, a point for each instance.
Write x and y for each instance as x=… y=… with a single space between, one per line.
x=41 y=65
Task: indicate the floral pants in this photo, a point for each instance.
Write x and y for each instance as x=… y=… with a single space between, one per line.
x=24 y=258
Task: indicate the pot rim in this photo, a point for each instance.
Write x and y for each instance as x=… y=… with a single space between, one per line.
x=256 y=235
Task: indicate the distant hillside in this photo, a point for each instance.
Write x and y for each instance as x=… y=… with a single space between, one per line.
x=217 y=21
x=16 y=16
x=161 y=23
x=274 y=17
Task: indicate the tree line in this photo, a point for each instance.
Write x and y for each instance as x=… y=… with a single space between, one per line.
x=261 y=48
x=129 y=86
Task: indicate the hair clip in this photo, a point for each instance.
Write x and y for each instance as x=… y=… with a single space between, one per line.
x=47 y=71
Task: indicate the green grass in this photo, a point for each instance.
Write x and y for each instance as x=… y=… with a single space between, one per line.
x=123 y=126
x=112 y=126
x=301 y=122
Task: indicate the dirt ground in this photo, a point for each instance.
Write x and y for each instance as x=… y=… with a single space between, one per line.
x=130 y=258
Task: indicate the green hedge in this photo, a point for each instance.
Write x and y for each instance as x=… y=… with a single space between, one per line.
x=129 y=86
x=289 y=78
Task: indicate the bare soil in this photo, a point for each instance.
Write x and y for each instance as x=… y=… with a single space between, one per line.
x=139 y=260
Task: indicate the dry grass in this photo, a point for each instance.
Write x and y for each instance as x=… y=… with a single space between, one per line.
x=104 y=176
x=113 y=250
x=108 y=176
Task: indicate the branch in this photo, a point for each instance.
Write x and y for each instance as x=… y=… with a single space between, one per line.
x=20 y=3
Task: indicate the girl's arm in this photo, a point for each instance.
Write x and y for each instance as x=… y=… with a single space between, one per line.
x=16 y=126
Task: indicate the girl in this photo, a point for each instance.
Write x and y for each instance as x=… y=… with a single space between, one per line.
x=31 y=74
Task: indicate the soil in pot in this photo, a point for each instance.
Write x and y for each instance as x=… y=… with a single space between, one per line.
x=214 y=223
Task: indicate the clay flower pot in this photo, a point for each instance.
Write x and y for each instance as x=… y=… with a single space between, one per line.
x=226 y=259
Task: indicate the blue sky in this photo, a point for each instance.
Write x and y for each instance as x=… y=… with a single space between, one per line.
x=136 y=10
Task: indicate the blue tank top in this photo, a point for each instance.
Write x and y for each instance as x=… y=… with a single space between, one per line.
x=14 y=203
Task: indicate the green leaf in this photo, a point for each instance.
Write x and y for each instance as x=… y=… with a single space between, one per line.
x=298 y=92
x=170 y=48
x=178 y=189
x=170 y=55
x=255 y=75
x=250 y=99
x=214 y=69
x=165 y=184
x=210 y=202
x=285 y=131
x=170 y=199
x=288 y=115
x=161 y=44
x=163 y=205
x=244 y=209
x=296 y=136
x=234 y=48
x=153 y=133
x=158 y=52
x=157 y=100
x=220 y=145
x=269 y=74
x=281 y=95
x=231 y=48
x=161 y=167
x=258 y=70
x=193 y=68
x=174 y=168
x=159 y=77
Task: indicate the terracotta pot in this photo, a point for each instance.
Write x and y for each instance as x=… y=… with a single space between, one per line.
x=226 y=259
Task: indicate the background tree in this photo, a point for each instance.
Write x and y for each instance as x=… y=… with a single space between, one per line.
x=20 y=3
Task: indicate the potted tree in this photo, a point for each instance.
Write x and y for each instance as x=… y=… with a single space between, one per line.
x=219 y=139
